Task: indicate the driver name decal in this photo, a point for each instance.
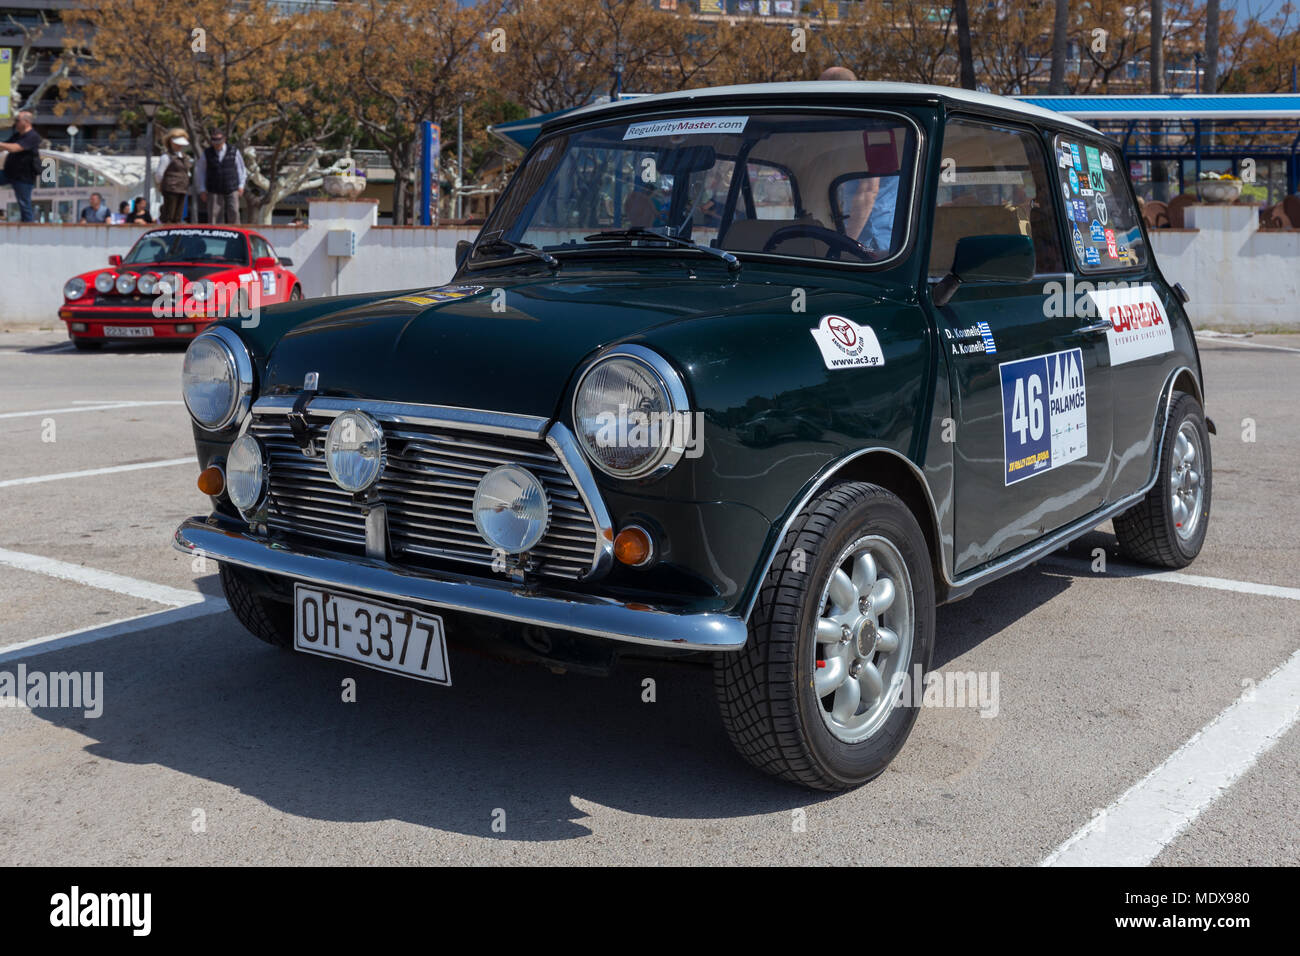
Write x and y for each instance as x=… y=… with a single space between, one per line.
x=682 y=127
x=1044 y=413
x=845 y=344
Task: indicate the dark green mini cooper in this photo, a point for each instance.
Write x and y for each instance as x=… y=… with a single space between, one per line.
x=758 y=374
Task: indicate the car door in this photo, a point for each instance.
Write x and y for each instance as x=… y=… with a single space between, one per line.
x=1119 y=294
x=273 y=279
x=1032 y=412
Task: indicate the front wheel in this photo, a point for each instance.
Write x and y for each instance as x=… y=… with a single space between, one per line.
x=249 y=595
x=844 y=624
x=1167 y=528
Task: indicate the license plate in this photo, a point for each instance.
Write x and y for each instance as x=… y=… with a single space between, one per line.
x=369 y=632
x=129 y=331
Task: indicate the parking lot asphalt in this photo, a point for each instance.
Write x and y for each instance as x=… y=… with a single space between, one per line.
x=1138 y=716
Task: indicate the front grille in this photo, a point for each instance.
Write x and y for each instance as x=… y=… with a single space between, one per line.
x=428 y=488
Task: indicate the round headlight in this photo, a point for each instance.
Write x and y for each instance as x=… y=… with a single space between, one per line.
x=168 y=284
x=355 y=451
x=630 y=413
x=511 y=510
x=246 y=474
x=104 y=282
x=201 y=290
x=217 y=378
x=147 y=284
x=75 y=288
x=125 y=282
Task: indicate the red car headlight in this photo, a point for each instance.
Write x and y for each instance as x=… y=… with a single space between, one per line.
x=75 y=288
x=104 y=282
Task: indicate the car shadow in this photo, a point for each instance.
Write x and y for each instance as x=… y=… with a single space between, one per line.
x=147 y=347
x=203 y=698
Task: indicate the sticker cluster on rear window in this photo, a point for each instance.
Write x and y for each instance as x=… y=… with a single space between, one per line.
x=1088 y=178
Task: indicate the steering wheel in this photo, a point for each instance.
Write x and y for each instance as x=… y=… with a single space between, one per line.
x=837 y=241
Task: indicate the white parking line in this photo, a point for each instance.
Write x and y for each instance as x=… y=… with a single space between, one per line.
x=99 y=632
x=112 y=469
x=1149 y=815
x=1084 y=569
x=105 y=580
x=1231 y=340
x=69 y=409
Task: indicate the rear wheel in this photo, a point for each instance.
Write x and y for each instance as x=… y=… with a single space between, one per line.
x=843 y=619
x=295 y=294
x=267 y=619
x=1167 y=528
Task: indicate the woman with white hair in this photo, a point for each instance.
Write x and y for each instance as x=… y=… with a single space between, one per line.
x=173 y=175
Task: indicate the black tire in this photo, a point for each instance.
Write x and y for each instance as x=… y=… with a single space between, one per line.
x=765 y=691
x=266 y=619
x=295 y=293
x=1148 y=532
x=87 y=345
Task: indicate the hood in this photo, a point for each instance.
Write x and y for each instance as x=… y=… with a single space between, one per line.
x=509 y=344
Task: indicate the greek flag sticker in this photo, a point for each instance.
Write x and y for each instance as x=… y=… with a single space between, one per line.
x=989 y=346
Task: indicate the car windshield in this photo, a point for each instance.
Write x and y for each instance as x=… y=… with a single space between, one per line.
x=832 y=187
x=189 y=245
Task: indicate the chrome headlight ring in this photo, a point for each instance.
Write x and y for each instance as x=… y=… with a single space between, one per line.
x=240 y=364
x=670 y=383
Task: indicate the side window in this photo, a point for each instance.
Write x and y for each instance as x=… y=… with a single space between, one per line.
x=261 y=248
x=1103 y=221
x=993 y=180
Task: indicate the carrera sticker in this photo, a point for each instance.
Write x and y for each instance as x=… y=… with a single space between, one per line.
x=1044 y=413
x=445 y=294
x=684 y=127
x=1139 y=326
x=845 y=344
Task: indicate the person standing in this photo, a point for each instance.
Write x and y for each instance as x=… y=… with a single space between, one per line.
x=173 y=176
x=96 y=212
x=220 y=176
x=139 y=212
x=22 y=163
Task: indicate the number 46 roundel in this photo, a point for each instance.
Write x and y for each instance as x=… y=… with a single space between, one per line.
x=1044 y=413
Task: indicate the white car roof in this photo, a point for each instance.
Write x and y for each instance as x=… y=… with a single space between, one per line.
x=850 y=89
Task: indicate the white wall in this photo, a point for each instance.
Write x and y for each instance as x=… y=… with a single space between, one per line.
x=1238 y=277
x=36 y=259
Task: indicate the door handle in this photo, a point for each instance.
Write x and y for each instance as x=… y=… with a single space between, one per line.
x=1095 y=327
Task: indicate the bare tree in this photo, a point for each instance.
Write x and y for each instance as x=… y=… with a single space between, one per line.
x=26 y=60
x=1157 y=46
x=965 y=61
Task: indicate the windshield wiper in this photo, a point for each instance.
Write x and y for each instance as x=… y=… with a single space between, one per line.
x=526 y=248
x=640 y=232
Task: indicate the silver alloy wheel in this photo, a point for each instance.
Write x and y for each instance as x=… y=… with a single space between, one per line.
x=1186 y=482
x=864 y=638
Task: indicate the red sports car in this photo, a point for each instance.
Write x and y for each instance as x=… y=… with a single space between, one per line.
x=174 y=282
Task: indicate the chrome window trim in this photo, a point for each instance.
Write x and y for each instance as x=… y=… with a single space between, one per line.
x=409 y=413
x=674 y=388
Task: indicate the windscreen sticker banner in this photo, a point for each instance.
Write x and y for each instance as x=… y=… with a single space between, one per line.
x=1044 y=413
x=683 y=127
x=445 y=294
x=1139 y=326
x=845 y=344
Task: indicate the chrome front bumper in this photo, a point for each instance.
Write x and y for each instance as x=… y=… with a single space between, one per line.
x=580 y=613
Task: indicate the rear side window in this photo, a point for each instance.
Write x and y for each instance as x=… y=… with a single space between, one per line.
x=1102 y=220
x=993 y=180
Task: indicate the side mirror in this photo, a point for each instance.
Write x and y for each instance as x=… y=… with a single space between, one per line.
x=286 y=262
x=265 y=262
x=1003 y=258
x=114 y=260
x=463 y=249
